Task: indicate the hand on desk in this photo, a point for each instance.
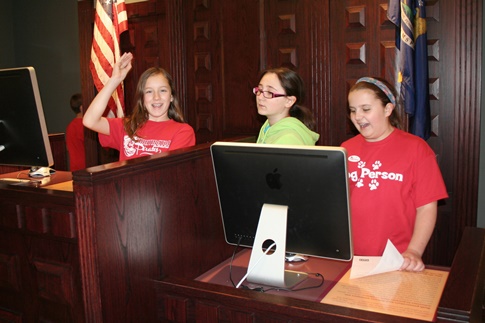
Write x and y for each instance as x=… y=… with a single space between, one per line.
x=391 y=260
x=412 y=261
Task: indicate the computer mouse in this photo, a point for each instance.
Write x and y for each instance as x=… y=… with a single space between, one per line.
x=41 y=172
x=294 y=257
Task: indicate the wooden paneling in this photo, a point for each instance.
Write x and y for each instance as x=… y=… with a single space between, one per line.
x=461 y=149
x=362 y=45
x=144 y=39
x=297 y=36
x=454 y=56
x=204 y=59
x=85 y=12
x=441 y=22
x=215 y=50
x=241 y=61
x=143 y=219
x=229 y=43
x=59 y=151
x=40 y=277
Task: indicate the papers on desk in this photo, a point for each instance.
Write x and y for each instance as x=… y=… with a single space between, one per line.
x=382 y=288
x=391 y=260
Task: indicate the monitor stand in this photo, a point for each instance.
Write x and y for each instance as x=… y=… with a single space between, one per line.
x=268 y=267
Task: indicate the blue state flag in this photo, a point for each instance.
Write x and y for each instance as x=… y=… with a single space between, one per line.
x=409 y=16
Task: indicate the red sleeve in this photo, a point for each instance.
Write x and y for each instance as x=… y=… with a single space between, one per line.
x=185 y=137
x=116 y=134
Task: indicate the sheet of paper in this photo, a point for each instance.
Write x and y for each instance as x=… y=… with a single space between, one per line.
x=390 y=260
x=407 y=294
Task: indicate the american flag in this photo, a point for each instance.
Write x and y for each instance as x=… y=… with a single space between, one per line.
x=109 y=22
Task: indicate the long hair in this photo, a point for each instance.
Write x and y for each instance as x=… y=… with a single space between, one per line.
x=293 y=86
x=394 y=118
x=140 y=113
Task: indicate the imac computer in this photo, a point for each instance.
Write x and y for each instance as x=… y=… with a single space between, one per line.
x=24 y=139
x=281 y=199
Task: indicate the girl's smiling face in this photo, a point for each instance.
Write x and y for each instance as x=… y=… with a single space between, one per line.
x=369 y=116
x=157 y=97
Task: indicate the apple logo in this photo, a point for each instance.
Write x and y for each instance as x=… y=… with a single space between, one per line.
x=274 y=179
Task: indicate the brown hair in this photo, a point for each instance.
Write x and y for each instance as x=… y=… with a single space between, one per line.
x=140 y=113
x=293 y=86
x=394 y=118
x=76 y=102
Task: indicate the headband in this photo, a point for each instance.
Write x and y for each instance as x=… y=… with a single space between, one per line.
x=381 y=86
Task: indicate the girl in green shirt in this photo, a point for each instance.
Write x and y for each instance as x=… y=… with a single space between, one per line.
x=278 y=97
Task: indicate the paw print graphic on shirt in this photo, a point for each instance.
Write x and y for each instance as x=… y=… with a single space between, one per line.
x=373 y=184
x=377 y=164
x=360 y=183
x=361 y=164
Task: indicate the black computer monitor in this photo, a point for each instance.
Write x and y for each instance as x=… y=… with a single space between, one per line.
x=24 y=140
x=302 y=188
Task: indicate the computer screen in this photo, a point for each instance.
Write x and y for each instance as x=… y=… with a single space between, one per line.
x=24 y=139
x=311 y=182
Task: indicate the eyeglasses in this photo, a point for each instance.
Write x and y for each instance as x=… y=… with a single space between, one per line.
x=267 y=94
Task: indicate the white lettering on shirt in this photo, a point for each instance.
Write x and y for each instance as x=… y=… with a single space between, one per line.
x=371 y=176
x=142 y=147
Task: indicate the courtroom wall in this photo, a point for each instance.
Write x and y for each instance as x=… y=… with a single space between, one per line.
x=481 y=185
x=44 y=34
x=7 y=54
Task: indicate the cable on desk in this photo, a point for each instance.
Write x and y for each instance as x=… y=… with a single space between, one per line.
x=260 y=288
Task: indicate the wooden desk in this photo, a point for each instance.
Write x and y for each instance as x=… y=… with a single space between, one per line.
x=331 y=270
x=182 y=300
x=59 y=154
x=133 y=236
x=149 y=227
x=39 y=261
x=60 y=180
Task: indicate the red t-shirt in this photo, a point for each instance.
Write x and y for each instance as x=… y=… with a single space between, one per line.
x=75 y=144
x=153 y=138
x=388 y=180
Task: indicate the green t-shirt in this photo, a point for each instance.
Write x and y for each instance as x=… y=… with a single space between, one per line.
x=287 y=131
